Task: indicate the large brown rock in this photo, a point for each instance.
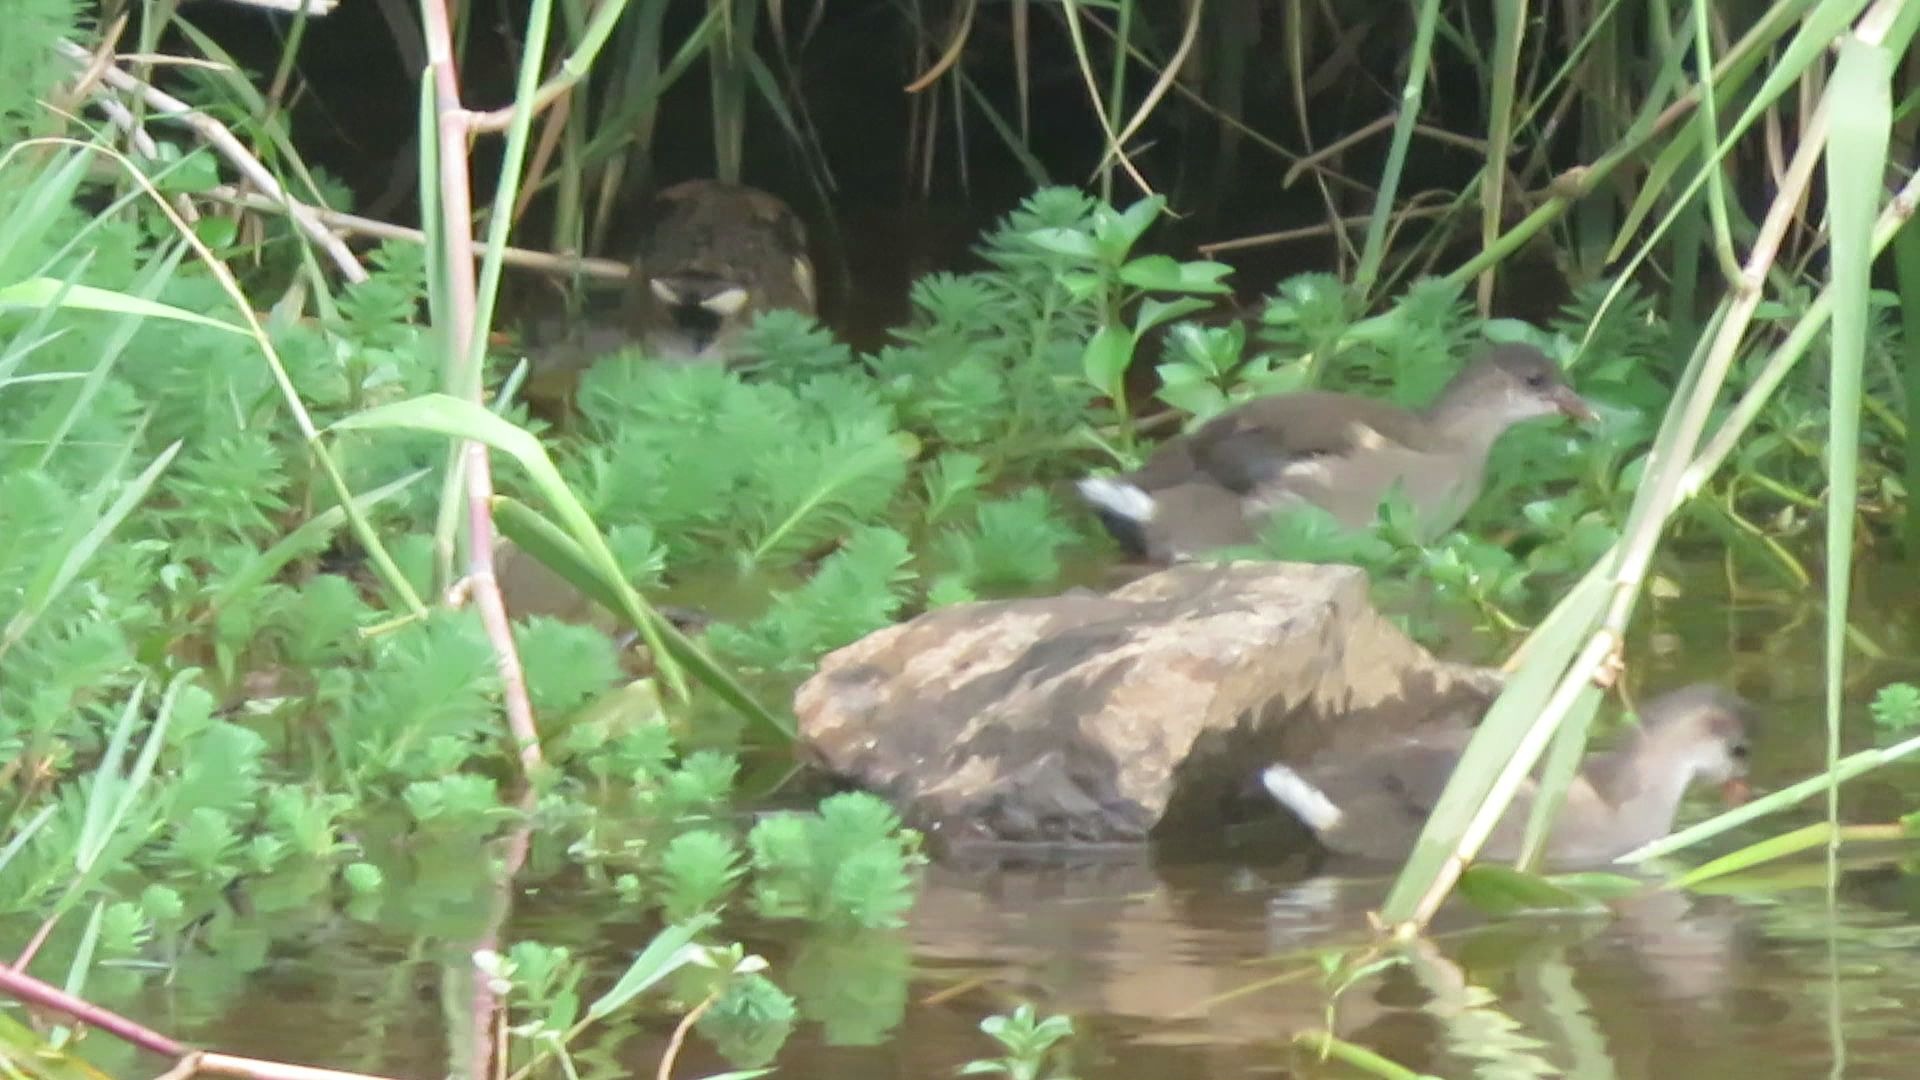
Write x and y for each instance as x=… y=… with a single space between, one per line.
x=1090 y=718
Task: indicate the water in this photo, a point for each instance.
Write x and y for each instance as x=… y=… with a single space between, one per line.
x=1172 y=969
x=1205 y=971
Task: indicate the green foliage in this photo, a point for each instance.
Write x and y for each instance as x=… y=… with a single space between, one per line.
x=750 y=1021
x=220 y=708
x=855 y=985
x=30 y=63
x=722 y=469
x=997 y=362
x=378 y=314
x=857 y=590
x=697 y=871
x=1031 y=1045
x=1206 y=370
x=1014 y=543
x=1896 y=707
x=850 y=863
x=541 y=987
x=566 y=664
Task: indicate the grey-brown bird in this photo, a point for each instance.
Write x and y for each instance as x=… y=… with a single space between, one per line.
x=711 y=255
x=1372 y=804
x=1342 y=452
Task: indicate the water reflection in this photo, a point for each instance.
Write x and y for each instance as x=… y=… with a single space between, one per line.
x=1203 y=973
x=1169 y=970
x=1207 y=969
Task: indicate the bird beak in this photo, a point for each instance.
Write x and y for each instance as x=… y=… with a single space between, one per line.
x=1572 y=404
x=1736 y=791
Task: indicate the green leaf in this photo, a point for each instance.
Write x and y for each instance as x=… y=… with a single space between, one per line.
x=1163 y=273
x=1064 y=242
x=193 y=174
x=36 y=293
x=217 y=233
x=309 y=537
x=1502 y=890
x=1599 y=885
x=669 y=951
x=1106 y=359
x=1117 y=233
x=1154 y=312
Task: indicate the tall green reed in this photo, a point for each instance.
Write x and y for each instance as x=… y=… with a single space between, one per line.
x=1580 y=639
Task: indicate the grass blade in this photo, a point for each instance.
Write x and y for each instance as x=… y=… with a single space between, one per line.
x=548 y=544
x=39 y=292
x=1856 y=165
x=666 y=953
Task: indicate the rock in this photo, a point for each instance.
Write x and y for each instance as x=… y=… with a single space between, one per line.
x=1088 y=719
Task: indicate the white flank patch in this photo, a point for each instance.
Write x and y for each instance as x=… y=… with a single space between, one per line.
x=1308 y=803
x=1123 y=499
x=727 y=302
x=1365 y=437
x=1306 y=470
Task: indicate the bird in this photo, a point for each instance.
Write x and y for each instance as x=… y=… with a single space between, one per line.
x=710 y=256
x=1372 y=804
x=1216 y=486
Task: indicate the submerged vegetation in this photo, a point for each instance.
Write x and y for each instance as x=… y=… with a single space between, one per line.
x=257 y=684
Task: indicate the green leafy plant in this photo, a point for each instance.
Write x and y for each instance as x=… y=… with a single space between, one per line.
x=1896 y=707
x=1031 y=1046
x=851 y=863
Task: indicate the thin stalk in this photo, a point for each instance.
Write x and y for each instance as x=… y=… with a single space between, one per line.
x=1637 y=552
x=1569 y=747
x=1509 y=23
x=727 y=70
x=1708 y=124
x=467 y=309
x=1328 y=1046
x=1906 y=261
x=573 y=69
x=1084 y=61
x=1168 y=76
x=1419 y=59
x=1117 y=88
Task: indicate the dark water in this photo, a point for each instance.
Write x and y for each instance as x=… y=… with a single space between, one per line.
x=1174 y=970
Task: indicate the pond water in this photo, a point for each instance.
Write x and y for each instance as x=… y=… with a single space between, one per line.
x=1173 y=968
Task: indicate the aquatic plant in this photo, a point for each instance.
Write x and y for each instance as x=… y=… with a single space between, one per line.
x=1032 y=1046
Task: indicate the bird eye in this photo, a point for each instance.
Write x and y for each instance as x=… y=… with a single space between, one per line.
x=1739 y=751
x=1538 y=380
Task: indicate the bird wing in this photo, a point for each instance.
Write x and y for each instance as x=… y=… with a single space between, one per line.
x=1394 y=788
x=1255 y=444
x=1420 y=775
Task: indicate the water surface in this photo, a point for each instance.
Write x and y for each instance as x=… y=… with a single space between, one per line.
x=1207 y=968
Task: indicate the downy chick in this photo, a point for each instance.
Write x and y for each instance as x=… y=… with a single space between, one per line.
x=711 y=256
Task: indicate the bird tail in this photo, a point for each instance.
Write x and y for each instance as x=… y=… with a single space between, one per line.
x=1123 y=508
x=1297 y=794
